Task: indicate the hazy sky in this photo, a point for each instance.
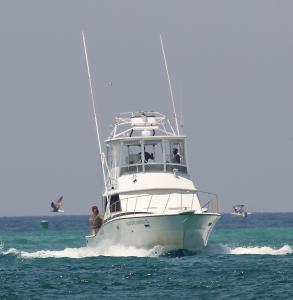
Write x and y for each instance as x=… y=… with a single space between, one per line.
x=232 y=61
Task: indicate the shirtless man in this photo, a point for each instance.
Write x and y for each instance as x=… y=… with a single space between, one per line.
x=95 y=220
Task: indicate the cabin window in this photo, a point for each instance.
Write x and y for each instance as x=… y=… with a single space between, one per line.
x=153 y=155
x=115 y=204
x=113 y=160
x=175 y=156
x=109 y=156
x=175 y=152
x=150 y=155
x=131 y=160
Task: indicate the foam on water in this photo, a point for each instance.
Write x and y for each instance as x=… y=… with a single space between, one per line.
x=1 y=246
x=122 y=251
x=83 y=252
x=257 y=250
x=286 y=249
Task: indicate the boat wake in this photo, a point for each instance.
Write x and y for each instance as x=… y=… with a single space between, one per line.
x=257 y=250
x=84 y=252
x=1 y=246
x=123 y=251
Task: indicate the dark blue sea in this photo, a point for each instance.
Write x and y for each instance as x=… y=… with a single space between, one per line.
x=248 y=258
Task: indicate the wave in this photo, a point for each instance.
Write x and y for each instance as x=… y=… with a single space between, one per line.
x=257 y=250
x=84 y=252
x=1 y=246
x=123 y=251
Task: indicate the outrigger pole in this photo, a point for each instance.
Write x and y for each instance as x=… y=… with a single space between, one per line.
x=101 y=154
x=170 y=86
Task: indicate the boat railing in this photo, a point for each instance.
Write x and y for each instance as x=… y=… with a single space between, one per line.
x=208 y=201
x=153 y=167
x=171 y=167
x=130 y=169
x=184 y=201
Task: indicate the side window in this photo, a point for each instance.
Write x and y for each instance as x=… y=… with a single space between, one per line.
x=175 y=152
x=109 y=156
x=115 y=204
x=131 y=153
x=153 y=152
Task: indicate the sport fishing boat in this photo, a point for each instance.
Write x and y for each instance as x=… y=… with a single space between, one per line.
x=149 y=197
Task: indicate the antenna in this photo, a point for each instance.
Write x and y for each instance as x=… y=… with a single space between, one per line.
x=101 y=154
x=170 y=86
x=180 y=110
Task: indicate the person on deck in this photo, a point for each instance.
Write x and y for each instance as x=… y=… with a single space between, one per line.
x=176 y=156
x=148 y=156
x=95 y=220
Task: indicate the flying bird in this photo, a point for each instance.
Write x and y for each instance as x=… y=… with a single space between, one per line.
x=57 y=205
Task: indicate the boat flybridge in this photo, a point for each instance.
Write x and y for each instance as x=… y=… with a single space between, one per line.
x=150 y=199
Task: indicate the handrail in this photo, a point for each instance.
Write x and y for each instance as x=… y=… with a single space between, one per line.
x=192 y=200
x=188 y=192
x=166 y=167
x=210 y=206
x=167 y=202
x=135 y=204
x=150 y=202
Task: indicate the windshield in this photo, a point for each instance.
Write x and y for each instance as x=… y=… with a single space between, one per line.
x=148 y=155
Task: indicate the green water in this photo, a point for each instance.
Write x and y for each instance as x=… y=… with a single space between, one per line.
x=245 y=259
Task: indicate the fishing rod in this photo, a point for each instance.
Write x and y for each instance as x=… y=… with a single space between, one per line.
x=101 y=154
x=170 y=86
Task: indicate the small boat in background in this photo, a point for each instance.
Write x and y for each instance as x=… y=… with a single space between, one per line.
x=238 y=210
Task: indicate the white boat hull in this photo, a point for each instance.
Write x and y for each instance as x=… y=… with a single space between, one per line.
x=243 y=214
x=186 y=231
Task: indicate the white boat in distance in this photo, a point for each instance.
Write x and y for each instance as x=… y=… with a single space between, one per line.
x=238 y=210
x=149 y=197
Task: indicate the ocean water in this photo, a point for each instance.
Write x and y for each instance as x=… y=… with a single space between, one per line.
x=248 y=258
